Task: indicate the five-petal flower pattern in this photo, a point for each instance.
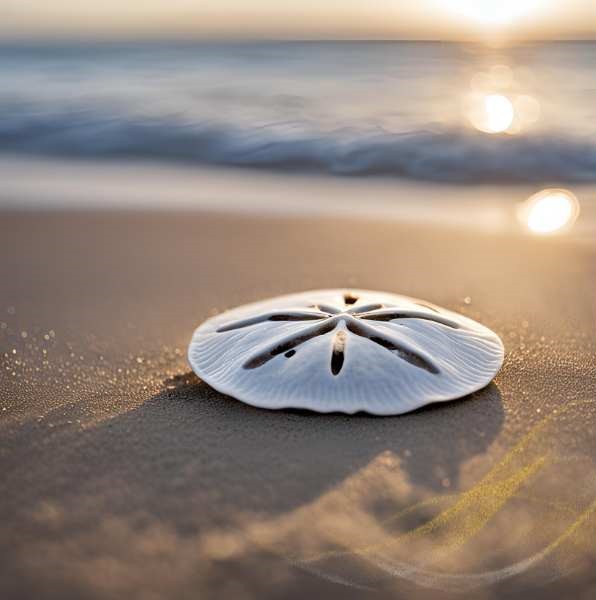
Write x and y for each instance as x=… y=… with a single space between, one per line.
x=338 y=350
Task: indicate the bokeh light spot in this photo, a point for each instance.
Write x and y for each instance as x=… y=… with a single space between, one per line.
x=550 y=211
x=492 y=113
x=499 y=112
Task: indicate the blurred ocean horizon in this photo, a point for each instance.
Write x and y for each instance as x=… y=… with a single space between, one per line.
x=403 y=109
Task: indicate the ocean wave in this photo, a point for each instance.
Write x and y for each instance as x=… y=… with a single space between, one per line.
x=444 y=155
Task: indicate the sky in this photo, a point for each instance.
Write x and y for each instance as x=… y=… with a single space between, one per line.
x=298 y=19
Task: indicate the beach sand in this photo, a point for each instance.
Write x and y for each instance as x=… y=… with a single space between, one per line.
x=123 y=475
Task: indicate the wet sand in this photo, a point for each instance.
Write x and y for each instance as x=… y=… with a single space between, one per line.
x=124 y=475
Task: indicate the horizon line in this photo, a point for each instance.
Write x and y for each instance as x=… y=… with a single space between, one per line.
x=223 y=39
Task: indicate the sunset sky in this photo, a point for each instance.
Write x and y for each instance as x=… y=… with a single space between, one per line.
x=299 y=19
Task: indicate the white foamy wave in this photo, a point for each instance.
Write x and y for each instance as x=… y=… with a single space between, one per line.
x=449 y=155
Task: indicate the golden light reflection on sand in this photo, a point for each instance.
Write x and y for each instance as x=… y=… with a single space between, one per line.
x=549 y=211
x=509 y=524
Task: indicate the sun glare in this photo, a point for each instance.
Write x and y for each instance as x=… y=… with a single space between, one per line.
x=495 y=12
x=550 y=211
x=492 y=113
x=499 y=112
x=494 y=104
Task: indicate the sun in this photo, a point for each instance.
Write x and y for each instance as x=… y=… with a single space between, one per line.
x=493 y=12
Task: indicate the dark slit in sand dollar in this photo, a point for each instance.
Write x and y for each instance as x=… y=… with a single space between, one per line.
x=344 y=351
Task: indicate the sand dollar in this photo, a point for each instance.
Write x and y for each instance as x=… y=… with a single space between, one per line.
x=344 y=350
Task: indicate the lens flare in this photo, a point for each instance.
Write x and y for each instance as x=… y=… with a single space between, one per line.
x=492 y=113
x=499 y=112
x=549 y=211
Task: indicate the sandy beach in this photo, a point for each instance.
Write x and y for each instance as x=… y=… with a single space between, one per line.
x=124 y=475
x=164 y=162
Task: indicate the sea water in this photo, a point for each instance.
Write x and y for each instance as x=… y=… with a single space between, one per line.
x=391 y=109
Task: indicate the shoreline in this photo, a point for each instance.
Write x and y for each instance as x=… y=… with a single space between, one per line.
x=91 y=186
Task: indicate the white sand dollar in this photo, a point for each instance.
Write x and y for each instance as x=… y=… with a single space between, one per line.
x=344 y=350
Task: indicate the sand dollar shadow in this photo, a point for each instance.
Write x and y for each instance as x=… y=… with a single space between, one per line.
x=286 y=458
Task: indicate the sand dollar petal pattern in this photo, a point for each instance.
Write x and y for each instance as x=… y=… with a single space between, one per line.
x=345 y=351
